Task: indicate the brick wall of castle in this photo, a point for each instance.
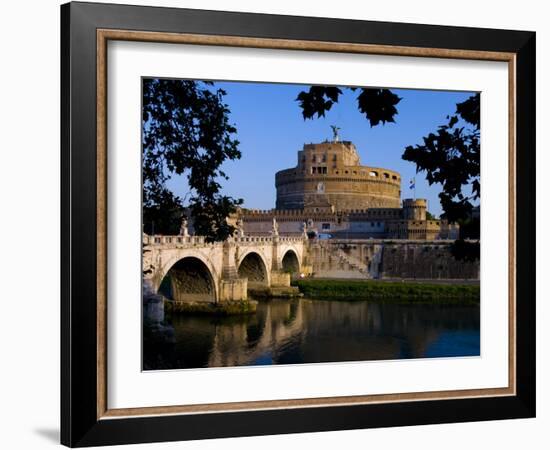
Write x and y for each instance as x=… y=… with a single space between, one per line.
x=428 y=260
x=387 y=260
x=382 y=223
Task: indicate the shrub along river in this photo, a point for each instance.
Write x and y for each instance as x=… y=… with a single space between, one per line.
x=312 y=331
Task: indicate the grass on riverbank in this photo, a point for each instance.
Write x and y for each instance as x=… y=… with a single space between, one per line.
x=400 y=292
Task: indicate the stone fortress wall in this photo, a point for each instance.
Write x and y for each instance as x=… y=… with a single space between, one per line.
x=386 y=259
x=408 y=222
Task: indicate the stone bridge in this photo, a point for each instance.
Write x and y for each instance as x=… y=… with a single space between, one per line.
x=187 y=268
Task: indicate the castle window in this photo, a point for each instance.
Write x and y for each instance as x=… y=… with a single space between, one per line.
x=334 y=157
x=337 y=172
x=394 y=177
x=324 y=158
x=326 y=226
x=324 y=170
x=314 y=170
x=373 y=173
x=386 y=175
x=346 y=171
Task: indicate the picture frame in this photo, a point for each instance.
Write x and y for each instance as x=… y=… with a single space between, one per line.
x=86 y=29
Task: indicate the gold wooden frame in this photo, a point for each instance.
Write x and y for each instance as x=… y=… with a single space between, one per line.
x=103 y=36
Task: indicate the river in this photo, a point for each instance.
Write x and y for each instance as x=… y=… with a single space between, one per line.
x=314 y=331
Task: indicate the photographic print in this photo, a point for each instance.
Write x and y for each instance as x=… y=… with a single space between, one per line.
x=299 y=224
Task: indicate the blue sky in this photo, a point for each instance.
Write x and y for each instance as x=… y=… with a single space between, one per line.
x=271 y=130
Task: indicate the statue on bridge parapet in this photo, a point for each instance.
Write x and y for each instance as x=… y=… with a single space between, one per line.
x=304 y=230
x=184 y=227
x=239 y=232
x=275 y=228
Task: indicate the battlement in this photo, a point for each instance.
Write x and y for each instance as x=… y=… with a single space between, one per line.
x=283 y=215
x=414 y=209
x=375 y=213
x=414 y=203
x=329 y=144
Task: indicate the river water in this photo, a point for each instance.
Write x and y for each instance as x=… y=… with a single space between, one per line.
x=313 y=331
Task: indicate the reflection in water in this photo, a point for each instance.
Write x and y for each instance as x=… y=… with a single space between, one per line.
x=310 y=331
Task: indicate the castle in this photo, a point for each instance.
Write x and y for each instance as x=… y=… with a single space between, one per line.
x=329 y=193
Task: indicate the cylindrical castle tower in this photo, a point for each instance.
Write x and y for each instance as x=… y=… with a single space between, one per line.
x=414 y=209
x=330 y=174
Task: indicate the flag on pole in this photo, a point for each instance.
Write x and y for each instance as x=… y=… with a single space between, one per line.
x=412 y=184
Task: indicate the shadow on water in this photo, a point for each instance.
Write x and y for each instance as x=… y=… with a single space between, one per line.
x=310 y=331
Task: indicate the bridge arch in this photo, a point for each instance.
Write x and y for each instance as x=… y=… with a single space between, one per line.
x=252 y=265
x=189 y=277
x=290 y=261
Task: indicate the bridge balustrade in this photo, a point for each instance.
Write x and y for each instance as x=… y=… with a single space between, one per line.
x=200 y=240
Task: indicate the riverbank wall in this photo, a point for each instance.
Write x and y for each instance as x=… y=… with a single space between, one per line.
x=386 y=259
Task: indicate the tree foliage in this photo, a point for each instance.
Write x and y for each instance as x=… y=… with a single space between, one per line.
x=465 y=250
x=378 y=105
x=450 y=157
x=186 y=130
x=430 y=216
